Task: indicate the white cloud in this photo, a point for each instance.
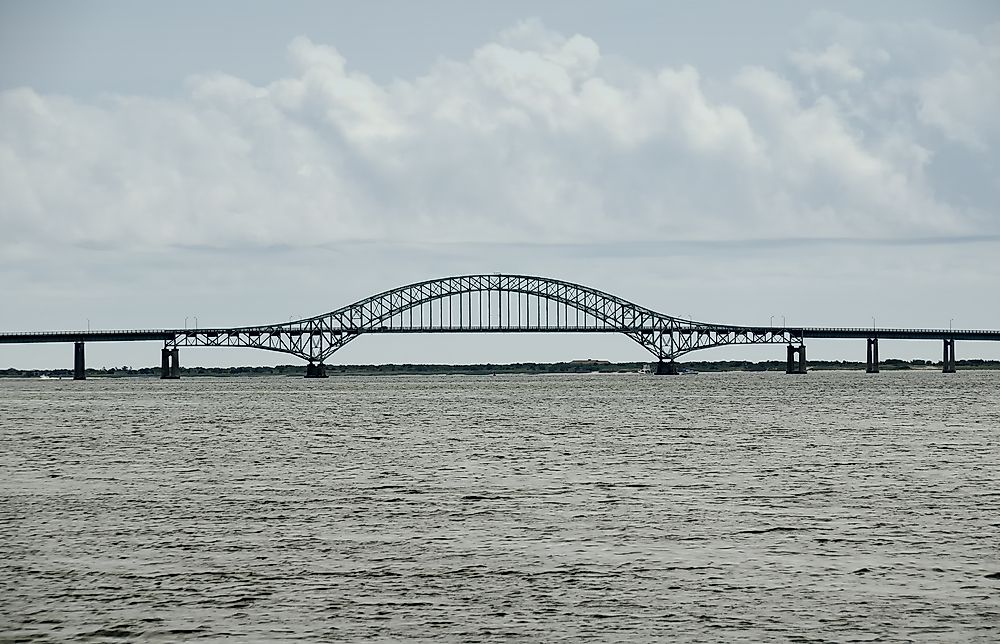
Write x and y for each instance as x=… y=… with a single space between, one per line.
x=964 y=100
x=835 y=60
x=535 y=137
x=833 y=175
x=916 y=72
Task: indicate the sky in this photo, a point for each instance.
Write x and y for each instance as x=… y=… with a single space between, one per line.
x=829 y=164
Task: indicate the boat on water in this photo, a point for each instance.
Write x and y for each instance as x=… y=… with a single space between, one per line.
x=648 y=370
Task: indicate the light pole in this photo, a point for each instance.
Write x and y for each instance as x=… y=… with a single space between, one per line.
x=873 y=322
x=88 y=324
x=783 y=321
x=950 y=320
x=772 y=321
x=185 y=322
x=196 y=321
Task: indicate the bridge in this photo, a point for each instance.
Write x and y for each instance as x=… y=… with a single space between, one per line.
x=496 y=303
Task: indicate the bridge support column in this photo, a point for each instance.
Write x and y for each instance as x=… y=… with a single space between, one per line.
x=666 y=368
x=948 y=361
x=872 y=366
x=79 y=364
x=170 y=364
x=796 y=359
x=316 y=370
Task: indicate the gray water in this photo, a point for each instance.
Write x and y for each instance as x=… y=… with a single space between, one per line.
x=832 y=506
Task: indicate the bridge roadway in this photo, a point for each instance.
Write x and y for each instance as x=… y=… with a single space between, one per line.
x=796 y=362
x=496 y=303
x=148 y=335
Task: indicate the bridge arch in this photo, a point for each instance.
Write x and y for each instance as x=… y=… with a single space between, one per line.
x=497 y=303
x=504 y=303
x=606 y=309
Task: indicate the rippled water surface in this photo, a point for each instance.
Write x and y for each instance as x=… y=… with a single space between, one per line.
x=833 y=506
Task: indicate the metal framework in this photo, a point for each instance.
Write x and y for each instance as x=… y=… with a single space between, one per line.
x=494 y=303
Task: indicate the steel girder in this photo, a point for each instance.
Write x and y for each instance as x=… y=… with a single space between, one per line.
x=495 y=303
x=673 y=344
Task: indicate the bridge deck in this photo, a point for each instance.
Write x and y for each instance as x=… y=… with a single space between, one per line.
x=902 y=334
x=139 y=335
x=135 y=335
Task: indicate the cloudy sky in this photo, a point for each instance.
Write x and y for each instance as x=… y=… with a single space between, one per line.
x=245 y=162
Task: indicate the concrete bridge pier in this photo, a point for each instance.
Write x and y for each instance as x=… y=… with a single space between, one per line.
x=948 y=361
x=170 y=364
x=872 y=356
x=666 y=368
x=796 y=359
x=79 y=364
x=315 y=370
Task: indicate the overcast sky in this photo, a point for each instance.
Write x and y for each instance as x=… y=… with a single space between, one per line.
x=245 y=162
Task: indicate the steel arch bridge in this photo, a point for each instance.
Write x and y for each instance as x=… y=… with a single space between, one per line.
x=495 y=303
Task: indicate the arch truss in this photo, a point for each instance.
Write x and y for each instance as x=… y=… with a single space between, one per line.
x=495 y=303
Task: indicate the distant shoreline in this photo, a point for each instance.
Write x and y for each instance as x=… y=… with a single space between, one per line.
x=528 y=368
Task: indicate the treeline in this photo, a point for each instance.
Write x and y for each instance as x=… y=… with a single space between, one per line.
x=578 y=366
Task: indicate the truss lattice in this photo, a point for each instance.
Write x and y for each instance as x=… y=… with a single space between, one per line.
x=494 y=303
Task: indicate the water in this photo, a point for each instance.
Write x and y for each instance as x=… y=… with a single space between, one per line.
x=833 y=506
